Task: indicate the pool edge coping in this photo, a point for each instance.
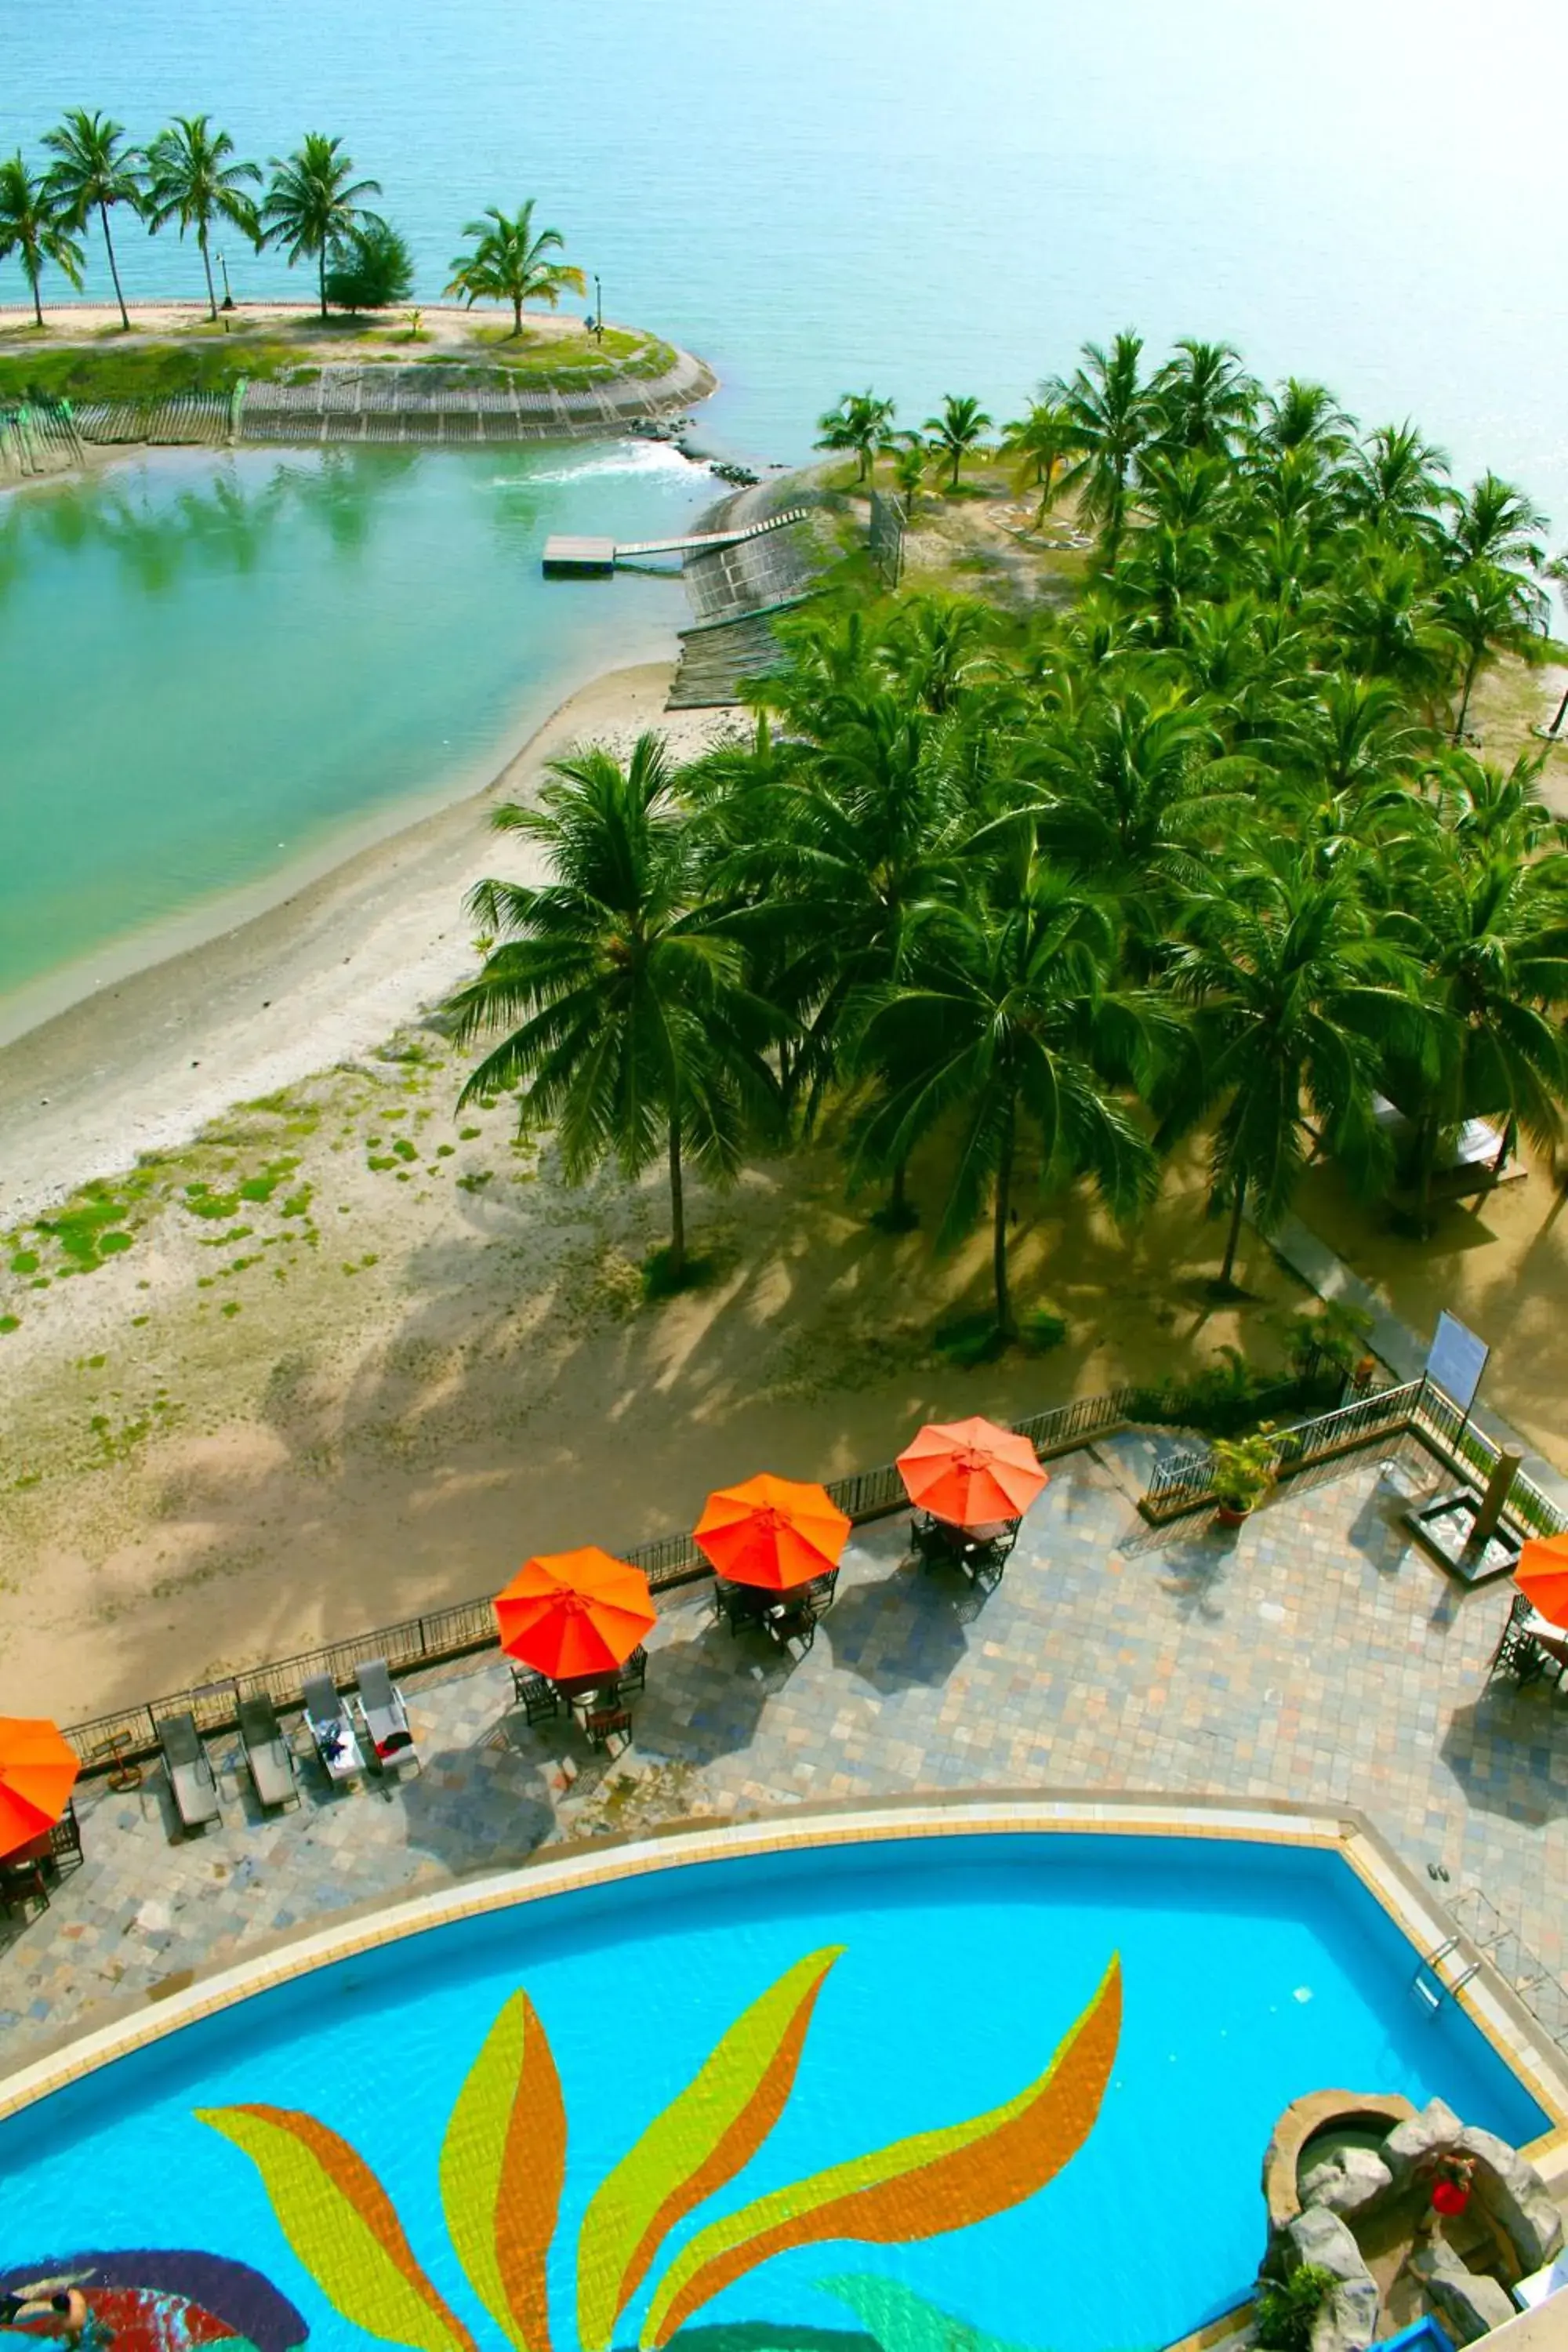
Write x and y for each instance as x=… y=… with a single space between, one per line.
x=1484 y=1997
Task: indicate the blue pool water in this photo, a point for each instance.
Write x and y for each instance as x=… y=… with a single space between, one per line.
x=1252 y=1975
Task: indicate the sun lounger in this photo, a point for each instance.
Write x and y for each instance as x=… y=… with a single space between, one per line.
x=266 y=1752
x=190 y=1776
x=332 y=1730
x=383 y=1715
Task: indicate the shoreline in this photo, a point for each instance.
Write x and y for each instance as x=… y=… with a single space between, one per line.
x=168 y=938
x=144 y=1059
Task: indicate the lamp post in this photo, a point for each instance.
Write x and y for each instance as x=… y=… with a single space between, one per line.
x=598 y=309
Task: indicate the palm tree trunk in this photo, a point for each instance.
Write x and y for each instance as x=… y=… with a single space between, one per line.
x=1234 y=1236
x=517 y=314
x=322 y=276
x=1005 y=1323
x=208 y=265
x=676 y=1206
x=34 y=273
x=1471 y=669
x=114 y=268
x=1504 y=1148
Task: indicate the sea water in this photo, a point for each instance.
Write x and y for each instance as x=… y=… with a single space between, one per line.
x=816 y=197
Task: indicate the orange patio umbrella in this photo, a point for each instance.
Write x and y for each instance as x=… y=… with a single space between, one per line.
x=38 y=1772
x=1543 y=1577
x=574 y=1613
x=971 y=1472
x=772 y=1532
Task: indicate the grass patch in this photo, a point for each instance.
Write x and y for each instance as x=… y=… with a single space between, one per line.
x=895 y=1217
x=660 y=1280
x=24 y=1262
x=89 y=1228
x=476 y=1181
x=10 y=1322
x=969 y=1340
x=145 y=371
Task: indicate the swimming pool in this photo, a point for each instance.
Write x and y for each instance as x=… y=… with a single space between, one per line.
x=1248 y=1974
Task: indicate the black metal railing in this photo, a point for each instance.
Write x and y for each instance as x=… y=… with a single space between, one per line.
x=130 y=1734
x=1416 y=1408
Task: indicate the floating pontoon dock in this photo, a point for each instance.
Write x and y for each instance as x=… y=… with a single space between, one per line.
x=588 y=559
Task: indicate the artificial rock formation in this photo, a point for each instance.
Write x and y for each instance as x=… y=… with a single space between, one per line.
x=1348 y=2320
x=1351 y=2179
x=1353 y=2184
x=1468 y=2305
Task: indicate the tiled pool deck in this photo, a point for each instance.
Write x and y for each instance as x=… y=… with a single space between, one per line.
x=1314 y=1655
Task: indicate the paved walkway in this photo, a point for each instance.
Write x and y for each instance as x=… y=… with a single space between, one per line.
x=1314 y=1655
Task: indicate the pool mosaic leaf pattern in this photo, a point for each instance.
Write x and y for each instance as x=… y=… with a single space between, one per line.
x=343 y=2225
x=697 y=2145
x=917 y=2188
x=503 y=2164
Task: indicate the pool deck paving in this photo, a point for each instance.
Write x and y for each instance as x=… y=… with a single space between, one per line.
x=1314 y=1655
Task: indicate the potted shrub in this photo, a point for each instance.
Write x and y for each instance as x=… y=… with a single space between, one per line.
x=1244 y=1470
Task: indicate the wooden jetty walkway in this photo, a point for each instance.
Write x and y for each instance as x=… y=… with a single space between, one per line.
x=567 y=558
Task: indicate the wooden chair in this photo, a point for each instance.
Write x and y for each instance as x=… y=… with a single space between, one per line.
x=633 y=1676
x=1523 y=1651
x=22 y=1883
x=605 y=1723
x=540 y=1699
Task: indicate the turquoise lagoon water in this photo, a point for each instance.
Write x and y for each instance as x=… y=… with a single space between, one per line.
x=1251 y=1975
x=209 y=667
x=815 y=197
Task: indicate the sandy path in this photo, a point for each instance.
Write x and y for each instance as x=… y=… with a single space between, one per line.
x=145 y=1063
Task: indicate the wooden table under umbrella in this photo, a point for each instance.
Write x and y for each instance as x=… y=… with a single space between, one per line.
x=775 y=1544
x=38 y=1773
x=1535 y=1639
x=971 y=1483
x=576 y=1620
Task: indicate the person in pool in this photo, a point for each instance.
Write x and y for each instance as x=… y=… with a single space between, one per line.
x=56 y=2308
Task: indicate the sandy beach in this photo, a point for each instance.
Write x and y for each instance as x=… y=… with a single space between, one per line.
x=347 y=1354
x=327 y=971
x=358 y=1354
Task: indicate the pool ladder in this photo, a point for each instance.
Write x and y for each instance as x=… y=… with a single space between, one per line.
x=1429 y=1985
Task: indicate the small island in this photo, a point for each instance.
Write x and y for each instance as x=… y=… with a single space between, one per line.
x=366 y=362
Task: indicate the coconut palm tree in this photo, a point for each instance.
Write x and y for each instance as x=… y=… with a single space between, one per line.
x=1301 y=415
x=191 y=178
x=1296 y=1007
x=621 y=989
x=1494 y=522
x=93 y=170
x=1010 y=1031
x=1485 y=921
x=508 y=263
x=1396 y=483
x=34 y=228
x=1487 y=611
x=957 y=430
x=313 y=203
x=1114 y=416
x=912 y=458
x=1038 y=443
x=1205 y=396
x=861 y=423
